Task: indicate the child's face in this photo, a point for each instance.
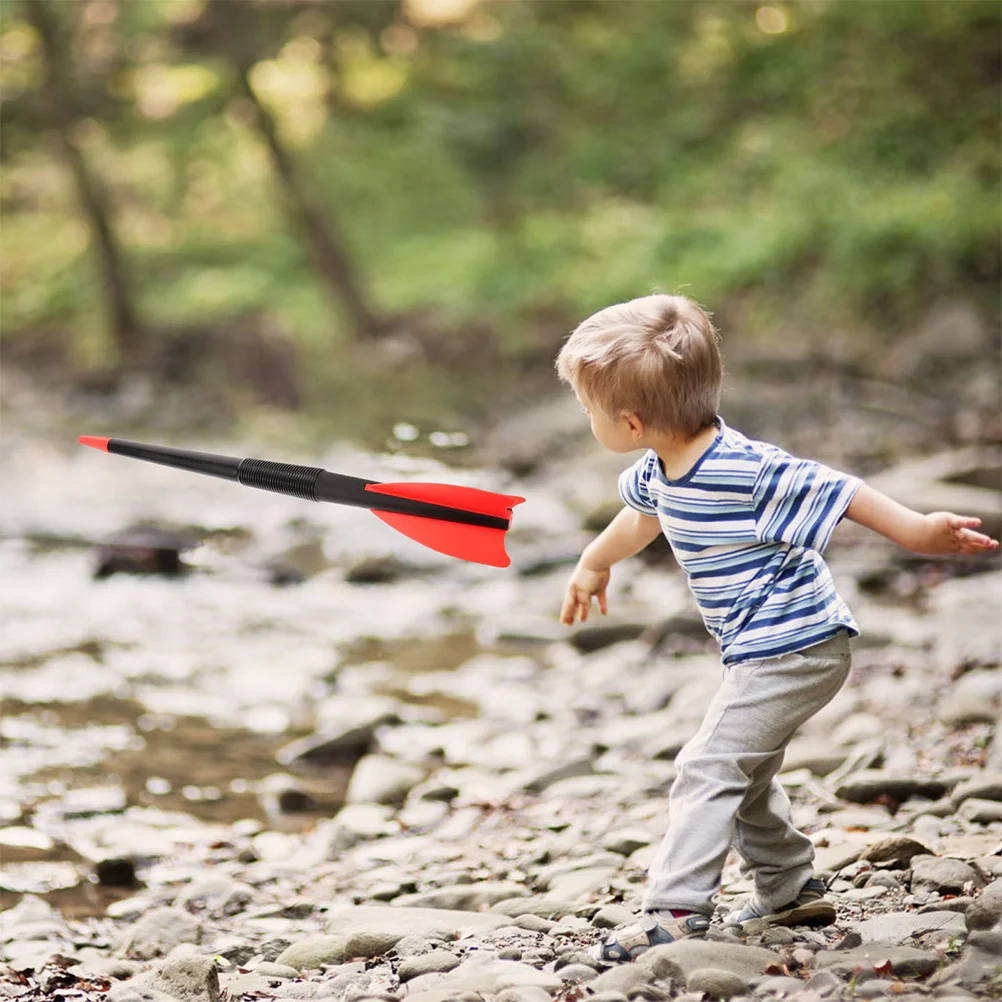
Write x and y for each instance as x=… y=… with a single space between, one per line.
x=617 y=434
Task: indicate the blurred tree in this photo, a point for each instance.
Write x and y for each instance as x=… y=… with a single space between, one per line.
x=52 y=21
x=494 y=169
x=249 y=31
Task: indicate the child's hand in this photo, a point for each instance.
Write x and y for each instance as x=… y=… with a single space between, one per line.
x=585 y=584
x=944 y=533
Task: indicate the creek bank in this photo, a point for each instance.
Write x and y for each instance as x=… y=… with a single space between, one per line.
x=451 y=795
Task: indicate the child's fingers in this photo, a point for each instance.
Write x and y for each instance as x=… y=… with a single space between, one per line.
x=971 y=541
x=603 y=605
x=575 y=607
x=963 y=521
x=569 y=609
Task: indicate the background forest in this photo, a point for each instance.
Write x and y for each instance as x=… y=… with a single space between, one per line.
x=318 y=205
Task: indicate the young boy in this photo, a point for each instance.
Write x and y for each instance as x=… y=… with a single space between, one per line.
x=748 y=524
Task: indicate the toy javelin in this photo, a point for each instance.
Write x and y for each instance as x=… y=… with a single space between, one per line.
x=462 y=522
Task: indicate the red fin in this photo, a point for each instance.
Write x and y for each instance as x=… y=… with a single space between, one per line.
x=468 y=542
x=464 y=498
x=95 y=443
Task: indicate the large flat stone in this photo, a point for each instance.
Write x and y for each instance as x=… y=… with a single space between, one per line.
x=487 y=976
x=866 y=785
x=544 y=907
x=945 y=876
x=969 y=846
x=371 y=930
x=678 y=960
x=463 y=897
x=896 y=848
x=896 y=928
x=905 y=962
x=312 y=952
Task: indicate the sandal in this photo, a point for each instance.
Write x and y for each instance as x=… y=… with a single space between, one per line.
x=629 y=942
x=810 y=907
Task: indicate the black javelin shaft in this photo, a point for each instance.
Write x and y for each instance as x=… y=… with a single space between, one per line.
x=310 y=483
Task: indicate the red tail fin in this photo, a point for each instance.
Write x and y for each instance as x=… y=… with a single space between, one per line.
x=468 y=542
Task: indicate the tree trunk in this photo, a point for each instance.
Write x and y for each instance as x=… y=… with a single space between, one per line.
x=322 y=235
x=123 y=317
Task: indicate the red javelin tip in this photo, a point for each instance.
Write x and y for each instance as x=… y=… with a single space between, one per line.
x=95 y=443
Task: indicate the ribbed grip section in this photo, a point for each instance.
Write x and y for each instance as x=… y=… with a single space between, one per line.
x=283 y=478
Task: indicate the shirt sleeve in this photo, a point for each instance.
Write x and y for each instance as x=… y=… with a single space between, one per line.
x=634 y=485
x=799 y=501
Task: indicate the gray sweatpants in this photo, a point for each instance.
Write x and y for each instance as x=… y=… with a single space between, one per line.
x=726 y=791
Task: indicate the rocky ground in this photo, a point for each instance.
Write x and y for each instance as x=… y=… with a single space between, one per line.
x=462 y=795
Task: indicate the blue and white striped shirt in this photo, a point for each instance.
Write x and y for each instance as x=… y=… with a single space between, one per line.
x=748 y=524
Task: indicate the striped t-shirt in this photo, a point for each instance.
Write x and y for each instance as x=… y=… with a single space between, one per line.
x=748 y=524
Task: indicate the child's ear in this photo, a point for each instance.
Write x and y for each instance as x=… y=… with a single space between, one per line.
x=634 y=423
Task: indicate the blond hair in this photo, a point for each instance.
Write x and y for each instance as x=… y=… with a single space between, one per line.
x=655 y=357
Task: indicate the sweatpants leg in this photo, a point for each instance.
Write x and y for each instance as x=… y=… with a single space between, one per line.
x=725 y=786
x=778 y=857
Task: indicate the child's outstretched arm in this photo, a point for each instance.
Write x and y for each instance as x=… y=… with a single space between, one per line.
x=937 y=534
x=628 y=533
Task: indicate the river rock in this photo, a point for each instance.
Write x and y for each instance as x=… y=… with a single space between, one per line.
x=978 y=963
x=463 y=897
x=678 y=960
x=435 y=962
x=986 y=786
x=716 y=983
x=778 y=985
x=823 y=983
x=129 y=992
x=354 y=823
x=944 y=876
x=544 y=907
x=969 y=847
x=556 y=773
x=181 y=979
x=142 y=549
x=905 y=961
x=626 y=841
x=159 y=931
x=372 y=930
x=820 y=757
x=896 y=928
x=612 y=916
x=861 y=818
x=982 y=812
x=577 y=884
x=533 y=923
x=625 y=978
x=32 y=918
x=215 y=892
x=379 y=779
x=487 y=975
x=865 y=786
x=986 y=909
x=894 y=849
x=338 y=747
x=858 y=727
x=313 y=952
x=961 y=708
x=21 y=844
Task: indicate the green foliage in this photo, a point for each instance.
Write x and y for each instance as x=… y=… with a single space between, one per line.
x=825 y=162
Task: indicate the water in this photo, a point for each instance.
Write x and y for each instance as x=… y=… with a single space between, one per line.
x=179 y=689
